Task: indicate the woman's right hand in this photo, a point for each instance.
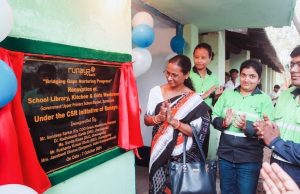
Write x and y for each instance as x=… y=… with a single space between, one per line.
x=228 y=117
x=162 y=115
x=208 y=92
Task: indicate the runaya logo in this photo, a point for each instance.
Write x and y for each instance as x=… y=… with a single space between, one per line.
x=83 y=71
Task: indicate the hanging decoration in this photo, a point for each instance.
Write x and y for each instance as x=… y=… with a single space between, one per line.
x=142 y=18
x=16 y=189
x=142 y=60
x=8 y=84
x=6 y=19
x=177 y=44
x=142 y=37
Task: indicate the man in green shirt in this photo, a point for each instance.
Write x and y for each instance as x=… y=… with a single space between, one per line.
x=283 y=136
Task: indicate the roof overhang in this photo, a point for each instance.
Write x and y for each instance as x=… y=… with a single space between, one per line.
x=256 y=41
x=215 y=15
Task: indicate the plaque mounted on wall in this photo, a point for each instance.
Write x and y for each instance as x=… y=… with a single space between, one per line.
x=71 y=106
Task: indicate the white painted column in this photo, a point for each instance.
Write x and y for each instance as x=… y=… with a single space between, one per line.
x=191 y=37
x=264 y=79
x=271 y=80
x=237 y=59
x=217 y=42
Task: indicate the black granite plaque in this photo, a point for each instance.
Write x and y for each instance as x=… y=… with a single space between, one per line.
x=71 y=107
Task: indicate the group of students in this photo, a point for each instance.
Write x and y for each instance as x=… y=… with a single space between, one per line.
x=245 y=116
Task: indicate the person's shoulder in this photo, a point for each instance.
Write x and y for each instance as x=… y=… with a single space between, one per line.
x=228 y=93
x=156 y=88
x=229 y=85
x=265 y=95
x=213 y=78
x=287 y=92
x=193 y=75
x=213 y=75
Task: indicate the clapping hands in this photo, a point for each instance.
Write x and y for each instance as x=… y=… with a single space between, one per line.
x=266 y=130
x=228 y=117
x=163 y=111
x=238 y=120
x=218 y=91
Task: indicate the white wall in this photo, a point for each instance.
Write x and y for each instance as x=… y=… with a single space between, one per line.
x=97 y=24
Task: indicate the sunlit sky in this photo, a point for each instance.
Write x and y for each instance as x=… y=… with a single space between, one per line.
x=285 y=39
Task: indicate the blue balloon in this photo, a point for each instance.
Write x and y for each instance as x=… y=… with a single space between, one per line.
x=142 y=35
x=177 y=44
x=8 y=84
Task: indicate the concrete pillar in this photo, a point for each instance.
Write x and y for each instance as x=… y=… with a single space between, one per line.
x=264 y=79
x=191 y=37
x=237 y=59
x=271 y=80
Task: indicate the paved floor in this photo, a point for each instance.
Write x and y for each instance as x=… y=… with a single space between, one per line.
x=142 y=182
x=142 y=178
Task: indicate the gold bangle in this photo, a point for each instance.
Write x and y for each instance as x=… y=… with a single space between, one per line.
x=178 y=124
x=154 y=120
x=161 y=115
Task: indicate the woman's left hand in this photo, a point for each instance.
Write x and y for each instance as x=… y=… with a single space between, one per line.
x=218 y=92
x=240 y=122
x=168 y=112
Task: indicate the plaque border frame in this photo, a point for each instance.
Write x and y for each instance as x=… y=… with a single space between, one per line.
x=55 y=49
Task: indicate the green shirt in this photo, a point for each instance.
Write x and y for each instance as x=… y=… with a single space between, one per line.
x=202 y=84
x=254 y=106
x=287 y=115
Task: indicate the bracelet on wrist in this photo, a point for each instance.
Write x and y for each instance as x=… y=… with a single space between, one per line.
x=154 y=119
x=161 y=116
x=178 y=124
x=224 y=125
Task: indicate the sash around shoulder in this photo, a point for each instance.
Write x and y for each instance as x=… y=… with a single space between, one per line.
x=166 y=141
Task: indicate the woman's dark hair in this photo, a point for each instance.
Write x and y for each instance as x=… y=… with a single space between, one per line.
x=185 y=64
x=207 y=47
x=255 y=64
x=295 y=52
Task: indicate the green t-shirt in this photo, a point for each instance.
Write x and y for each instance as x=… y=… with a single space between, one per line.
x=287 y=115
x=254 y=106
x=202 y=84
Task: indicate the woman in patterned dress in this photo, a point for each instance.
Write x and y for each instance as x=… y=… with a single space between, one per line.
x=174 y=110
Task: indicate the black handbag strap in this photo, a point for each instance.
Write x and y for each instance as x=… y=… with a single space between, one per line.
x=198 y=144
x=184 y=150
